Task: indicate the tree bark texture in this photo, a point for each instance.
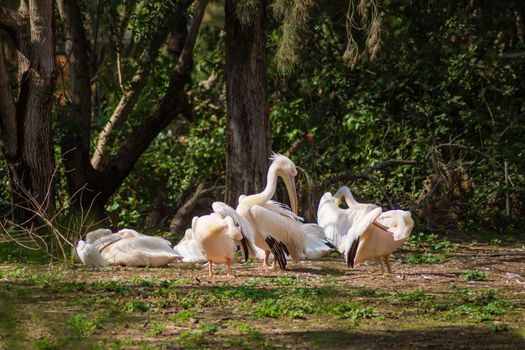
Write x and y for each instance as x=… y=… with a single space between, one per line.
x=26 y=134
x=248 y=136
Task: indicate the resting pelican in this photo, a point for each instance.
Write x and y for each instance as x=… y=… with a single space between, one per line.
x=189 y=249
x=218 y=238
x=89 y=255
x=273 y=226
x=130 y=248
x=362 y=231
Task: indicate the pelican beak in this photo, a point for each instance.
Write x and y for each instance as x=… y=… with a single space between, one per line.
x=289 y=181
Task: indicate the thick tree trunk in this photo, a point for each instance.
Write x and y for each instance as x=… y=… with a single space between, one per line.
x=26 y=136
x=248 y=140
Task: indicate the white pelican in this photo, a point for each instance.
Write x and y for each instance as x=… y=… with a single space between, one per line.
x=130 y=248
x=336 y=221
x=362 y=231
x=274 y=227
x=89 y=255
x=218 y=238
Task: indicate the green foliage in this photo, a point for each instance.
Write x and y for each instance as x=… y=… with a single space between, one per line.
x=137 y=306
x=82 y=324
x=474 y=276
x=352 y=311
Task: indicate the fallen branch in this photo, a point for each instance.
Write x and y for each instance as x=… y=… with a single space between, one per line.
x=181 y=216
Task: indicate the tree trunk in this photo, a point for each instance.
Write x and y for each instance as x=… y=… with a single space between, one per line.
x=26 y=135
x=248 y=140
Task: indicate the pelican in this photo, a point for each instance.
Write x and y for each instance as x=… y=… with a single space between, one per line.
x=218 y=238
x=273 y=226
x=363 y=232
x=89 y=255
x=130 y=248
x=336 y=221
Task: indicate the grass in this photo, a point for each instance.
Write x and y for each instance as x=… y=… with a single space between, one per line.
x=55 y=307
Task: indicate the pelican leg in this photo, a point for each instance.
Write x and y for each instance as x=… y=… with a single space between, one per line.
x=229 y=267
x=210 y=271
x=387 y=262
x=382 y=262
x=265 y=261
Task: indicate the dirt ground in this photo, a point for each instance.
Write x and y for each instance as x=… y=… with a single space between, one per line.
x=473 y=299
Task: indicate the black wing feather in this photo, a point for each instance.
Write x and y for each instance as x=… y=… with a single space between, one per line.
x=350 y=257
x=278 y=249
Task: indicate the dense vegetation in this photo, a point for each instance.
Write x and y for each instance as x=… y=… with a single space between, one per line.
x=444 y=94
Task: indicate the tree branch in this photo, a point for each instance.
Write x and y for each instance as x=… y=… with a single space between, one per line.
x=364 y=175
x=189 y=45
x=389 y=164
x=181 y=216
x=8 y=21
x=136 y=85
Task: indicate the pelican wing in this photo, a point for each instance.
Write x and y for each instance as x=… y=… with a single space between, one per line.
x=361 y=223
x=334 y=220
x=129 y=233
x=246 y=229
x=316 y=246
x=282 y=228
x=282 y=209
x=399 y=222
x=140 y=251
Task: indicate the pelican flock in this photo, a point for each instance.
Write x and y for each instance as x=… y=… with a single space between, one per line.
x=262 y=228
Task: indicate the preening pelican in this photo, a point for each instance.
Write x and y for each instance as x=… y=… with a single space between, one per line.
x=362 y=231
x=274 y=228
x=336 y=221
x=89 y=255
x=218 y=238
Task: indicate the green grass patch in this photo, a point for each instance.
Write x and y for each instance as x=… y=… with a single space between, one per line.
x=474 y=276
x=425 y=258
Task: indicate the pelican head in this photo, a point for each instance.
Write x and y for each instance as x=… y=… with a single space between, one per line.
x=287 y=171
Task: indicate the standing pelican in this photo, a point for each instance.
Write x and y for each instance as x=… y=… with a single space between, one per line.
x=218 y=238
x=273 y=226
x=362 y=231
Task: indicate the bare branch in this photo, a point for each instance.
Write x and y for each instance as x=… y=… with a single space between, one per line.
x=8 y=20
x=364 y=175
x=189 y=45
